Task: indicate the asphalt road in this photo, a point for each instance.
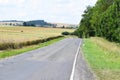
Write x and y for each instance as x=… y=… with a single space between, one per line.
x=83 y=70
x=54 y=62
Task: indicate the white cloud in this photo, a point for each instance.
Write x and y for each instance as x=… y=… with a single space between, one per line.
x=11 y=2
x=69 y=11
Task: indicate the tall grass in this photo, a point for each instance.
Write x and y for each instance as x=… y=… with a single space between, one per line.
x=4 y=46
x=12 y=52
x=106 y=45
x=104 y=58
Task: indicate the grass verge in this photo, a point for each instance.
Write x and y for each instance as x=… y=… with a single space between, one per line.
x=11 y=52
x=104 y=58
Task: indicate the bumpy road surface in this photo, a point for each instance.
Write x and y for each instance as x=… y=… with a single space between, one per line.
x=54 y=62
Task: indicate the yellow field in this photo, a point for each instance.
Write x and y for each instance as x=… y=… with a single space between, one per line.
x=22 y=34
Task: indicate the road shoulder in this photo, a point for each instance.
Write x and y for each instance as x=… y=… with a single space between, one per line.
x=82 y=69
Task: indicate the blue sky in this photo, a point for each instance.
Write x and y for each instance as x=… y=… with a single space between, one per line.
x=63 y=11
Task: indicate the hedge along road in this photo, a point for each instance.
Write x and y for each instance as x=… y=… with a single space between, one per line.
x=54 y=62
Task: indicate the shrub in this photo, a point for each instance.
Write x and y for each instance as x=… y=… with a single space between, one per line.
x=5 y=46
x=65 y=33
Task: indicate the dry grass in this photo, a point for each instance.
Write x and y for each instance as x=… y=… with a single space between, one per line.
x=22 y=34
x=104 y=74
x=106 y=45
x=13 y=52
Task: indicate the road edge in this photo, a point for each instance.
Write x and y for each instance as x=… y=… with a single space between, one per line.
x=75 y=60
x=89 y=67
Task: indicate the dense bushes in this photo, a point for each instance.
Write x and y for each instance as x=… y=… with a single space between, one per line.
x=65 y=33
x=102 y=20
x=4 y=46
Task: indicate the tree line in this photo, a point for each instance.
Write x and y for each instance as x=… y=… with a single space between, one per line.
x=102 y=20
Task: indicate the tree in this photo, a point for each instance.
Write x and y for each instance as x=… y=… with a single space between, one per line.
x=25 y=24
x=102 y=20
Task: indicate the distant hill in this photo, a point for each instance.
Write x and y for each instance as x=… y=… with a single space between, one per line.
x=37 y=23
x=11 y=21
x=64 y=25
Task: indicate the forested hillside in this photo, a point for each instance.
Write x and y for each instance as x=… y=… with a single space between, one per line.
x=101 y=20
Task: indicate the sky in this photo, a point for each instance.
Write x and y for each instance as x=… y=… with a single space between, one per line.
x=62 y=11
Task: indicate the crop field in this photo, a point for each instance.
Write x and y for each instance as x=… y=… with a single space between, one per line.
x=22 y=34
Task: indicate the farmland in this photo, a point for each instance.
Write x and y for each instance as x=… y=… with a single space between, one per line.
x=14 y=40
x=22 y=34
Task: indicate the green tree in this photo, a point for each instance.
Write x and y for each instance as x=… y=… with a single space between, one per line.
x=102 y=20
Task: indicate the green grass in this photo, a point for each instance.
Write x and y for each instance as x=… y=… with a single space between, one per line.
x=8 y=53
x=104 y=58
